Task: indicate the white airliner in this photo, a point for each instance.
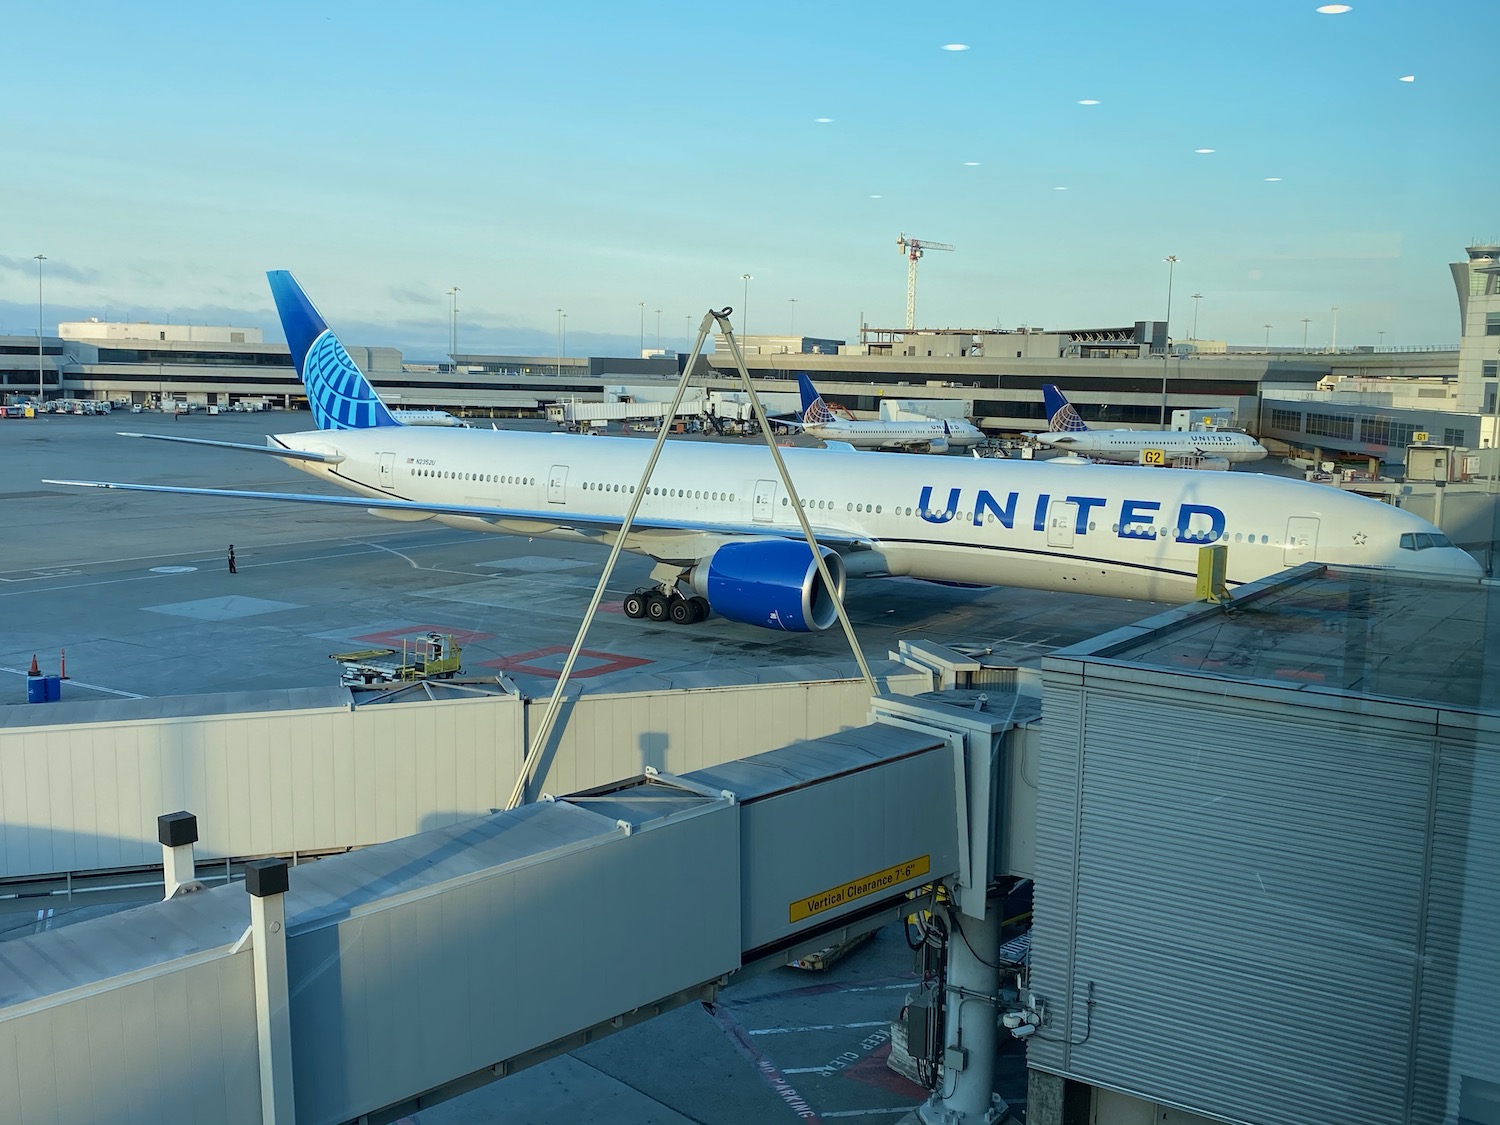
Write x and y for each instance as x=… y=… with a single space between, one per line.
x=720 y=526
x=924 y=435
x=426 y=418
x=1159 y=447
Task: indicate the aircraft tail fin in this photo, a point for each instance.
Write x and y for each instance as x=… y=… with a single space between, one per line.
x=815 y=411
x=337 y=390
x=1061 y=417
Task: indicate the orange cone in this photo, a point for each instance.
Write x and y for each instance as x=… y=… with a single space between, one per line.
x=35 y=671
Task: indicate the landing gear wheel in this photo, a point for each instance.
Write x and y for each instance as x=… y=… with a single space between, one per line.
x=657 y=606
x=634 y=605
x=701 y=608
x=681 y=612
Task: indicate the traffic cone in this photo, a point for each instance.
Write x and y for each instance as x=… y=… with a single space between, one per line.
x=35 y=671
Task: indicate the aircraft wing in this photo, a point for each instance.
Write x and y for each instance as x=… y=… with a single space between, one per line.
x=273 y=450
x=644 y=531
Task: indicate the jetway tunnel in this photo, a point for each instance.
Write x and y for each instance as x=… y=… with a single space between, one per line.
x=411 y=971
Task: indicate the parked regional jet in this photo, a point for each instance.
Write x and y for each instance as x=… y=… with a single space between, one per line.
x=426 y=418
x=718 y=521
x=925 y=435
x=1153 y=447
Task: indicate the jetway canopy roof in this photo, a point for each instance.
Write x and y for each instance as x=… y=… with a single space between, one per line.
x=802 y=763
x=1355 y=632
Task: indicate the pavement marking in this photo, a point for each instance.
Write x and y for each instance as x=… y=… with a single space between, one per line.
x=228 y=608
x=818 y=1027
x=80 y=683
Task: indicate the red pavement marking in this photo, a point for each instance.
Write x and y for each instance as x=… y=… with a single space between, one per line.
x=419 y=632
x=527 y=662
x=872 y=1071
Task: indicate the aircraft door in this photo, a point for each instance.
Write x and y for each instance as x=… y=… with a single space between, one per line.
x=387 y=464
x=1301 y=541
x=557 y=484
x=1062 y=520
x=765 y=500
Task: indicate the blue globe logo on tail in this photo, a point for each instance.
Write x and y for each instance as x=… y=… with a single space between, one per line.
x=1061 y=416
x=337 y=390
x=815 y=411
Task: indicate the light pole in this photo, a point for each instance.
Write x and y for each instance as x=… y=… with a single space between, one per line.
x=1268 y=336
x=745 y=306
x=658 y=329
x=1196 y=298
x=688 y=333
x=565 y=332
x=793 y=302
x=643 y=329
x=559 y=342
x=1171 y=260
x=1306 y=320
x=41 y=391
x=453 y=325
x=1380 y=341
x=1333 y=340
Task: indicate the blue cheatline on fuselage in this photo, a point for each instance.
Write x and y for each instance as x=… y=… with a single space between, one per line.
x=340 y=396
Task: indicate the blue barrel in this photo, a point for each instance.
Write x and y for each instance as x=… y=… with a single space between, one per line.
x=36 y=690
x=53 y=688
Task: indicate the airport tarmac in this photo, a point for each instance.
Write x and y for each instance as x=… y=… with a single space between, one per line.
x=136 y=589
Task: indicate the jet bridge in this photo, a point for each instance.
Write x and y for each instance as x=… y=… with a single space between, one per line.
x=417 y=969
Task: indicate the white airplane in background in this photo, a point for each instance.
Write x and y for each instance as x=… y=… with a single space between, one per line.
x=426 y=418
x=718 y=522
x=1149 y=447
x=920 y=435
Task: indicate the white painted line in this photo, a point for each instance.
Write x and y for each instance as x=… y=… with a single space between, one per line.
x=867 y=1112
x=819 y=1027
x=80 y=683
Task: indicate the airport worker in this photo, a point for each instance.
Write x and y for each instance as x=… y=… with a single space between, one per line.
x=233 y=569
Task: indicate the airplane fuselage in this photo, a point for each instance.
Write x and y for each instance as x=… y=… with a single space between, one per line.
x=1129 y=445
x=1113 y=530
x=919 y=435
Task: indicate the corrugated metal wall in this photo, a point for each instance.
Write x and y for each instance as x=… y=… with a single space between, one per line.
x=86 y=796
x=1251 y=882
x=178 y=1046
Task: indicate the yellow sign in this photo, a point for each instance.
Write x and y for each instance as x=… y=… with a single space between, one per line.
x=1153 y=457
x=866 y=885
x=1421 y=437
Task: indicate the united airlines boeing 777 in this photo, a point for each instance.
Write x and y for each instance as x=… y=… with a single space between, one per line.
x=1069 y=432
x=718 y=521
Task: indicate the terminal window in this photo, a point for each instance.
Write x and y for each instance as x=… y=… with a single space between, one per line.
x=1385 y=431
x=1286 y=420
x=1331 y=425
x=1452 y=436
x=1492 y=324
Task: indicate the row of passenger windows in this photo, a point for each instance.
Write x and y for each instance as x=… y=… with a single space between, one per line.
x=483 y=478
x=828 y=505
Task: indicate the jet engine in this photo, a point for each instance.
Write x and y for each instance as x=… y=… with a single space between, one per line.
x=937 y=445
x=773 y=583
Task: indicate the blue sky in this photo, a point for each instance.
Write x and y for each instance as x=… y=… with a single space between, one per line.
x=590 y=157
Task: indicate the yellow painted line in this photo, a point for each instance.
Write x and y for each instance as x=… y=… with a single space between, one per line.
x=862 y=887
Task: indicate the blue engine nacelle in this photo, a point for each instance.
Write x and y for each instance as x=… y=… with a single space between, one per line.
x=773 y=583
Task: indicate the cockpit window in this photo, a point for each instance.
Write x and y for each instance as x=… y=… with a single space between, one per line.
x=1421 y=540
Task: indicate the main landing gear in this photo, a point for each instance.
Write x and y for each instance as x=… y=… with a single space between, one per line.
x=656 y=604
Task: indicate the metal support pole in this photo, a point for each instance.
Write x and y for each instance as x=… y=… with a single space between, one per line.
x=966 y=1095
x=178 y=832
x=41 y=390
x=266 y=880
x=544 y=728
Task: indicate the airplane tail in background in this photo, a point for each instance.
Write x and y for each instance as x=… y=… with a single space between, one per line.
x=814 y=411
x=1061 y=417
x=338 y=392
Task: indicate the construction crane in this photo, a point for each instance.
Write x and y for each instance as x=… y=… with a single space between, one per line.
x=913 y=248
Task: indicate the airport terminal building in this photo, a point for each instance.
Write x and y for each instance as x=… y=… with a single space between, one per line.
x=1357 y=404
